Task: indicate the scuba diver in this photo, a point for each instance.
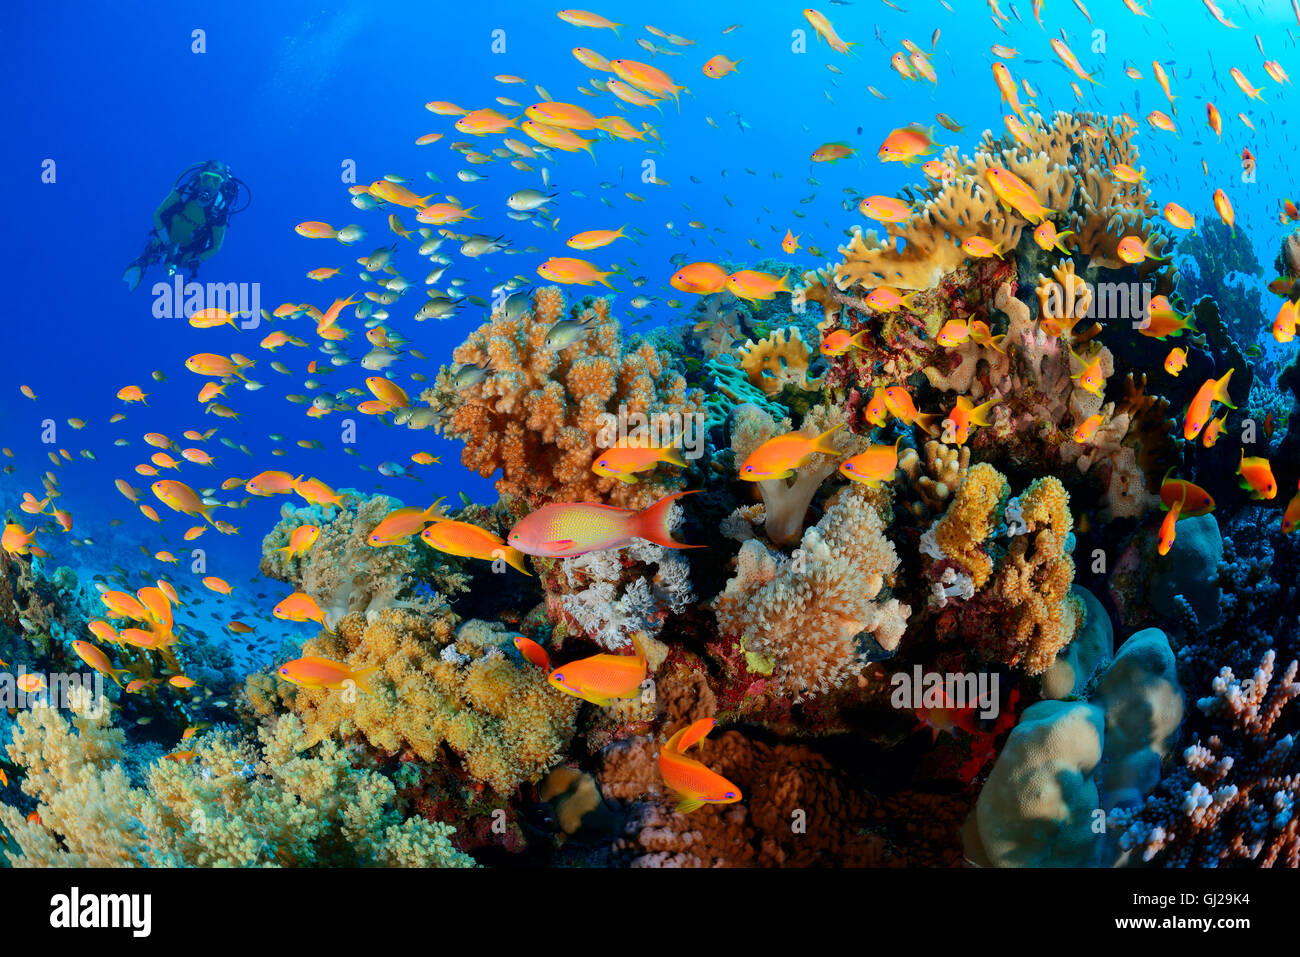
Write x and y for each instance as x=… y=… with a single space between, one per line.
x=190 y=225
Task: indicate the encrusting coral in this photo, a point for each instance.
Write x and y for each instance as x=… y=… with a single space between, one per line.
x=538 y=413
x=232 y=802
x=467 y=689
x=810 y=613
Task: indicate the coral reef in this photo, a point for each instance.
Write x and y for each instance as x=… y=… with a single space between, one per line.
x=346 y=575
x=1232 y=800
x=1013 y=555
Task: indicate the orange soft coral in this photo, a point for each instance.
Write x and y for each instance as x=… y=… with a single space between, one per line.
x=538 y=413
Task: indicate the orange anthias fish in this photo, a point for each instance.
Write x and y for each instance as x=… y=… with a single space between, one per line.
x=1284 y=325
x=840 y=341
x=751 y=285
x=905 y=144
x=779 y=457
x=299 y=607
x=790 y=242
x=965 y=416
x=1195 y=501
x=1163 y=321
x=703 y=279
x=400 y=524
x=1179 y=218
x=1291 y=517
x=1087 y=428
x=313 y=672
x=876 y=465
x=1176 y=361
x=1048 y=238
x=1257 y=476
x=1211 y=433
x=300 y=541
x=877 y=410
x=1198 y=411
x=693 y=783
x=98 y=660
x=470 y=541
x=1224 y=208
x=1014 y=193
x=1090 y=378
x=533 y=652
x=1165 y=540
x=270 y=483
x=603 y=678
x=622 y=463
x=900 y=405
x=565 y=529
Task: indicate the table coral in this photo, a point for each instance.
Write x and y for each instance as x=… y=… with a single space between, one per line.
x=831 y=586
x=468 y=689
x=538 y=413
x=1065 y=170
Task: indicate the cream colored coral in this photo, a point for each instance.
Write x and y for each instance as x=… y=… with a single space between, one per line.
x=808 y=613
x=234 y=803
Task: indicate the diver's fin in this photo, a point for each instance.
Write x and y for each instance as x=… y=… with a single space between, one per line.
x=132 y=276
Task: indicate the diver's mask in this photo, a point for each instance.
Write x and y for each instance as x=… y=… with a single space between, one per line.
x=209 y=188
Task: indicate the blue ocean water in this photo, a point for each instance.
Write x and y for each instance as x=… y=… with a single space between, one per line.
x=107 y=104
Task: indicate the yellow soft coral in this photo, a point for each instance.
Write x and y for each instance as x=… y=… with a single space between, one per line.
x=1035 y=579
x=970 y=520
x=499 y=714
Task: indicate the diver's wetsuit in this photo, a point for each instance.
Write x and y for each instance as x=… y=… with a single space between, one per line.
x=187 y=229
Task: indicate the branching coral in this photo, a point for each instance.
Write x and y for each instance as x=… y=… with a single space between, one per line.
x=1234 y=798
x=469 y=690
x=607 y=597
x=809 y=613
x=234 y=803
x=933 y=474
x=538 y=413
